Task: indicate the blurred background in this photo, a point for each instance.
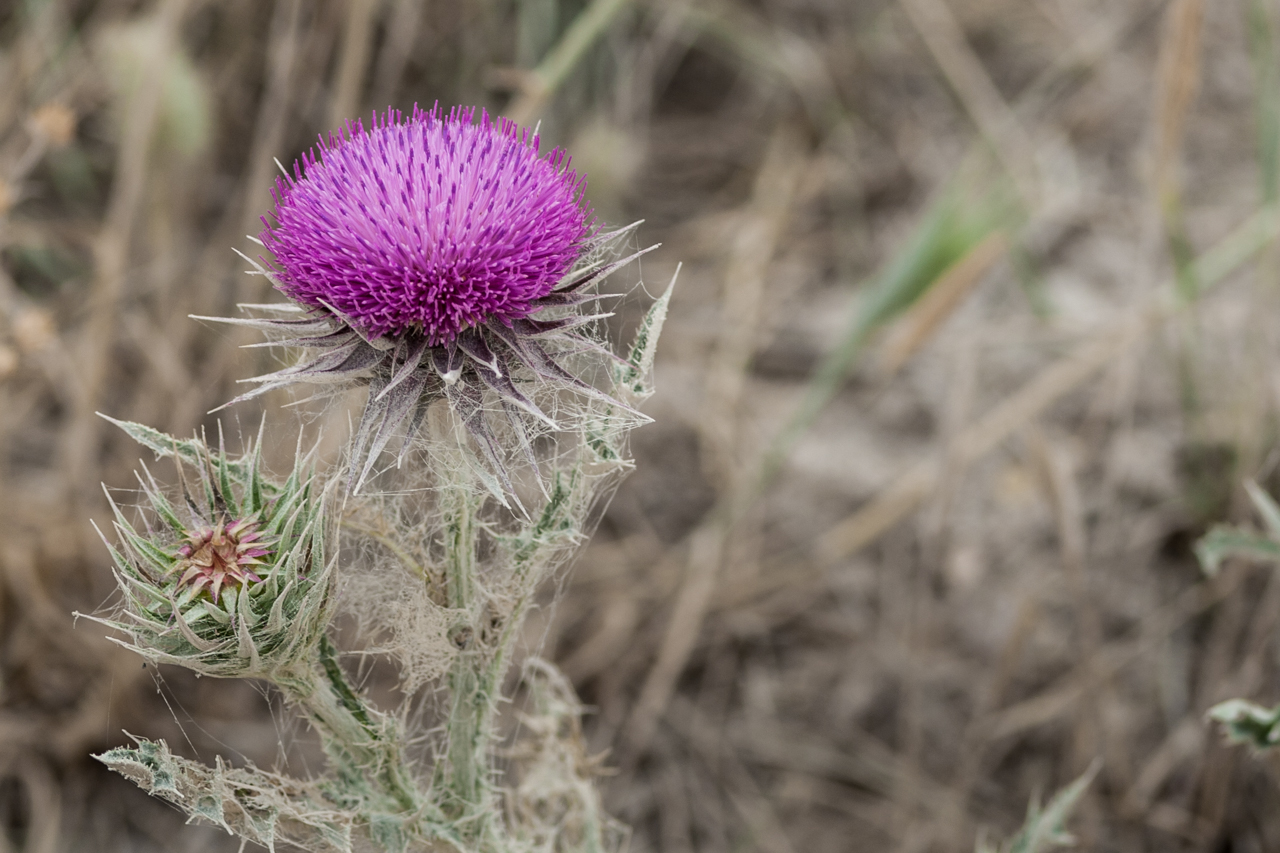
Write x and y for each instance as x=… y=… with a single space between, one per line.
x=977 y=332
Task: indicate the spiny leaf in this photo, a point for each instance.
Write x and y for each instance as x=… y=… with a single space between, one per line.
x=192 y=451
x=157 y=557
x=635 y=376
x=164 y=445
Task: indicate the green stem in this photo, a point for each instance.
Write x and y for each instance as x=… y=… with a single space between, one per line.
x=460 y=560
x=362 y=742
x=469 y=727
x=496 y=672
x=346 y=696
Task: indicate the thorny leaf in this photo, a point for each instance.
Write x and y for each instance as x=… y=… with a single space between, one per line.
x=256 y=805
x=635 y=376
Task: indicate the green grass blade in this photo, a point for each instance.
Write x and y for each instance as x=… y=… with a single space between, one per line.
x=1222 y=542
x=1262 y=51
x=959 y=220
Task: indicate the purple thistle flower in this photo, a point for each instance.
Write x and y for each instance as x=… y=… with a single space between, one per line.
x=432 y=225
x=419 y=251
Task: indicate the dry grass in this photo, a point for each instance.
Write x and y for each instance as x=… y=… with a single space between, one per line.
x=963 y=571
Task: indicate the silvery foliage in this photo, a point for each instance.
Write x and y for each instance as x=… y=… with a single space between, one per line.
x=1243 y=721
x=438 y=570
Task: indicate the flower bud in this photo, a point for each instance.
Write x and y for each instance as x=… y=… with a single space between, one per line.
x=234 y=584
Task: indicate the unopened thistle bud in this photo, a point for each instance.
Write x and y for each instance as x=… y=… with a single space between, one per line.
x=234 y=583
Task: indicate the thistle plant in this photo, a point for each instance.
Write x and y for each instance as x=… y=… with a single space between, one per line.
x=446 y=266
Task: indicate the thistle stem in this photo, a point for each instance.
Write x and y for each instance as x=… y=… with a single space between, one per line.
x=470 y=724
x=362 y=742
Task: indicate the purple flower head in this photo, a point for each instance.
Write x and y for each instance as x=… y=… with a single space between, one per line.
x=432 y=225
x=438 y=258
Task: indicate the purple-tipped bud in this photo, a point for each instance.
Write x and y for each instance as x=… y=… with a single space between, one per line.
x=432 y=225
x=222 y=555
